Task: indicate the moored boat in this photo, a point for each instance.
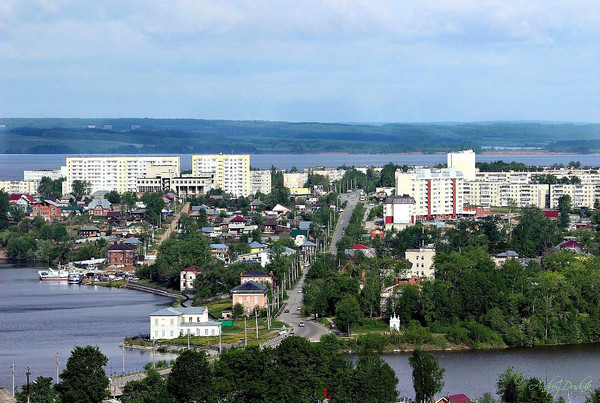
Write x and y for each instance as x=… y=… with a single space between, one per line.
x=74 y=278
x=51 y=274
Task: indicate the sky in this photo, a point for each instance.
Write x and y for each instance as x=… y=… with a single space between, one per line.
x=325 y=61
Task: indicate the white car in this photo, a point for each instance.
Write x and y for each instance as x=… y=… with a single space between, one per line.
x=301 y=324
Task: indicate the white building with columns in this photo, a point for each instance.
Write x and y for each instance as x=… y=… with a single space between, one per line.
x=170 y=323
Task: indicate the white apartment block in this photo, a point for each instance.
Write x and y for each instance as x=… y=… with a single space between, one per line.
x=463 y=161
x=333 y=174
x=260 y=181
x=422 y=261
x=29 y=187
x=118 y=173
x=38 y=174
x=232 y=172
x=399 y=212
x=295 y=180
x=437 y=193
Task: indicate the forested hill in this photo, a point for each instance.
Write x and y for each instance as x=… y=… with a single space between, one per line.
x=139 y=136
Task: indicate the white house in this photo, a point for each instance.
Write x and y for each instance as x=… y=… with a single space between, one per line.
x=170 y=323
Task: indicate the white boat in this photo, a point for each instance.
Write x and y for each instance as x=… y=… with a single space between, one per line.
x=74 y=278
x=51 y=274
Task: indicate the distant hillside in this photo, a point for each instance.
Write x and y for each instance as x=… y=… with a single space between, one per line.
x=146 y=136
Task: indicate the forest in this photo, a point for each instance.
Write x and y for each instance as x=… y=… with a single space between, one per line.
x=147 y=136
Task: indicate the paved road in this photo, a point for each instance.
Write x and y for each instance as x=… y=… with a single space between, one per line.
x=352 y=199
x=311 y=330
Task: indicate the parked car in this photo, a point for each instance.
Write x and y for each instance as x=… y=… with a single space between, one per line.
x=301 y=324
x=287 y=310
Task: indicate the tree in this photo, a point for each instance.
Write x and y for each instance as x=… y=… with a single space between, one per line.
x=427 y=375
x=154 y=204
x=347 y=313
x=148 y=390
x=81 y=188
x=509 y=385
x=191 y=379
x=113 y=197
x=4 y=208
x=534 y=391
x=374 y=381
x=40 y=391
x=594 y=396
x=84 y=379
x=564 y=208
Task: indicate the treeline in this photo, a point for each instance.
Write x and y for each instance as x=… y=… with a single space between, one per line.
x=190 y=135
x=294 y=371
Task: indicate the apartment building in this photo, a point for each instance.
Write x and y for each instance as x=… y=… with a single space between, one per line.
x=295 y=180
x=437 y=193
x=29 y=187
x=462 y=161
x=399 y=212
x=260 y=181
x=422 y=261
x=232 y=172
x=38 y=174
x=118 y=173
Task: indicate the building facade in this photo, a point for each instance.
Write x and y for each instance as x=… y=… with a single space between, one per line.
x=170 y=323
x=232 y=172
x=187 y=277
x=121 y=254
x=260 y=182
x=251 y=295
x=118 y=173
x=422 y=261
x=437 y=193
x=399 y=212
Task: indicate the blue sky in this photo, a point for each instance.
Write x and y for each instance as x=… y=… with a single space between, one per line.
x=328 y=61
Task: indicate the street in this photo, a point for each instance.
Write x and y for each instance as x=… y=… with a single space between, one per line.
x=344 y=219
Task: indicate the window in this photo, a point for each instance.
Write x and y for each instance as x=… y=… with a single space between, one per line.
x=156 y=321
x=255 y=300
x=172 y=322
x=206 y=332
x=190 y=319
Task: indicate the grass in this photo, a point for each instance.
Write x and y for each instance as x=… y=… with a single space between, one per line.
x=369 y=325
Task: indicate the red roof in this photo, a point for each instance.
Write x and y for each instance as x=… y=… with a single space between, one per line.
x=193 y=268
x=551 y=213
x=238 y=218
x=459 y=398
x=569 y=244
x=360 y=246
x=17 y=196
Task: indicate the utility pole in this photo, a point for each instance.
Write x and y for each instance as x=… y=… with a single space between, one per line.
x=27 y=374
x=13 y=379
x=256 y=320
x=56 y=380
x=245 y=330
x=220 y=345
x=123 y=357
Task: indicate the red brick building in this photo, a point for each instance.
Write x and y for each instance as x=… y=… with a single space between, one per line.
x=121 y=254
x=47 y=209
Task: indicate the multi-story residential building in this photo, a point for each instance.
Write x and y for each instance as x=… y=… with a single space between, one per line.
x=118 y=173
x=38 y=174
x=187 y=277
x=260 y=182
x=437 y=193
x=295 y=180
x=333 y=174
x=422 y=261
x=29 y=187
x=463 y=161
x=47 y=209
x=399 y=212
x=121 y=254
x=232 y=172
x=251 y=295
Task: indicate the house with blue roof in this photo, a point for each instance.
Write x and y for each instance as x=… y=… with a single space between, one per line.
x=170 y=323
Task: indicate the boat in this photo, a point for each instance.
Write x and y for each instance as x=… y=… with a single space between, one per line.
x=74 y=278
x=51 y=274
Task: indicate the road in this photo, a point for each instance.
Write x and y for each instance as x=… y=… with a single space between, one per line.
x=311 y=330
x=344 y=219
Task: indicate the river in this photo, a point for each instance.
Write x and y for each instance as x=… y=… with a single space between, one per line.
x=12 y=165
x=41 y=319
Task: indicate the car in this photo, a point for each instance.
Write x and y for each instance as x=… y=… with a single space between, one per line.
x=241 y=341
x=299 y=308
x=300 y=290
x=287 y=310
x=301 y=324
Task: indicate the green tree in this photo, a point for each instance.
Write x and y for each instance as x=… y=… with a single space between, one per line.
x=40 y=391
x=191 y=379
x=509 y=385
x=129 y=199
x=374 y=381
x=534 y=391
x=594 y=396
x=113 y=197
x=84 y=379
x=154 y=204
x=4 y=209
x=153 y=388
x=81 y=188
x=427 y=375
x=347 y=313
x=564 y=208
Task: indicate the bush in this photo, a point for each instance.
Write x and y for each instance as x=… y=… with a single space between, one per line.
x=372 y=342
x=417 y=334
